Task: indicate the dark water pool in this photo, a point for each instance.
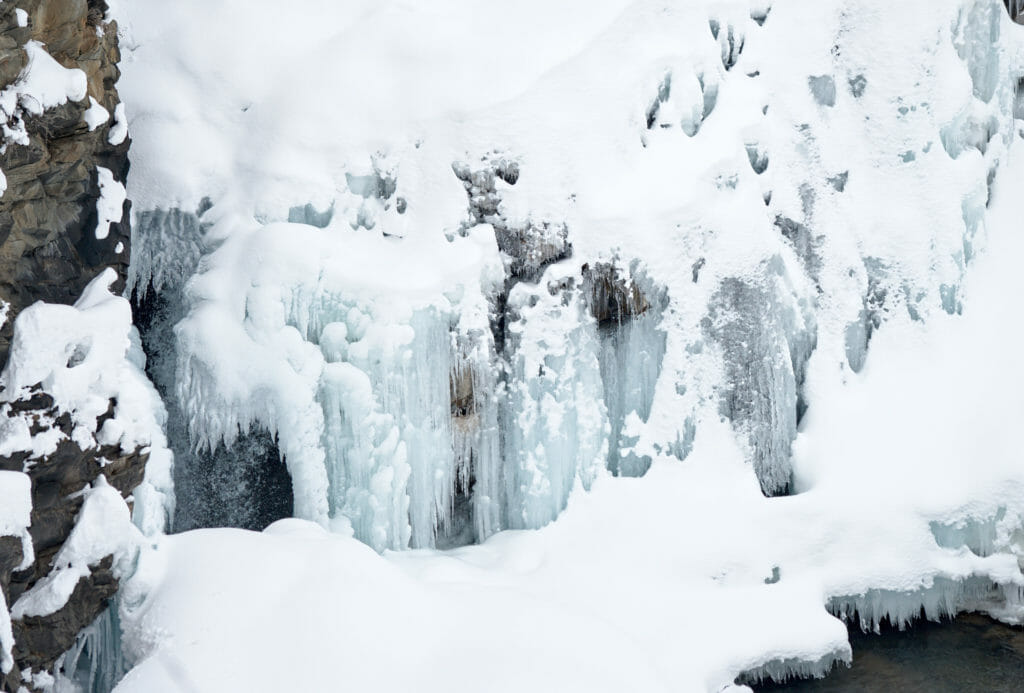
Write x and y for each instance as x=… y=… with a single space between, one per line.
x=972 y=654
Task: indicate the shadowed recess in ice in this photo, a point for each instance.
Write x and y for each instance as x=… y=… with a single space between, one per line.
x=766 y=333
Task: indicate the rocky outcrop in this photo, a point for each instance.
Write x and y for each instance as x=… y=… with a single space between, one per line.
x=63 y=219
x=54 y=160
x=58 y=479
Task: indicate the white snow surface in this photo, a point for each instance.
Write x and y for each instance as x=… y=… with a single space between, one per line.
x=109 y=206
x=15 y=518
x=15 y=511
x=839 y=162
x=95 y=115
x=119 y=130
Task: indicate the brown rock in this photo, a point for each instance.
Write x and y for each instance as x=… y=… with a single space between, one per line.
x=48 y=247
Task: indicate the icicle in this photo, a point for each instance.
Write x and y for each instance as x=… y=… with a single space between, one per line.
x=781 y=670
x=555 y=422
x=95 y=663
x=767 y=334
x=628 y=308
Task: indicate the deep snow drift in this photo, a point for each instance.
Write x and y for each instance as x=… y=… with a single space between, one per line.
x=465 y=276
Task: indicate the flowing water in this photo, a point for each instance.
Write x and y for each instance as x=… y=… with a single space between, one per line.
x=969 y=654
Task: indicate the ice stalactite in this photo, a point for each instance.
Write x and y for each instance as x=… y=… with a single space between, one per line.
x=166 y=247
x=554 y=422
x=859 y=333
x=478 y=510
x=628 y=310
x=411 y=434
x=244 y=485
x=541 y=426
x=794 y=668
x=976 y=32
x=95 y=663
x=766 y=333
x=685 y=98
x=388 y=428
x=803 y=241
x=943 y=598
x=1016 y=9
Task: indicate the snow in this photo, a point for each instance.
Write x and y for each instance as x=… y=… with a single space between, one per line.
x=95 y=115
x=17 y=505
x=119 y=130
x=109 y=206
x=598 y=160
x=15 y=518
x=814 y=205
x=22 y=16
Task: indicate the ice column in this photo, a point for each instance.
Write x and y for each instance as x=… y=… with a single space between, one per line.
x=554 y=420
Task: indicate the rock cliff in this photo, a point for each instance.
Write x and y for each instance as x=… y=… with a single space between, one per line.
x=55 y=159
x=63 y=219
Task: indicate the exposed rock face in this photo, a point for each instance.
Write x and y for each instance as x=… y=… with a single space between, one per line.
x=57 y=162
x=49 y=249
x=57 y=480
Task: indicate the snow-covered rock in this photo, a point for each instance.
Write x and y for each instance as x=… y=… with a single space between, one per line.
x=83 y=454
